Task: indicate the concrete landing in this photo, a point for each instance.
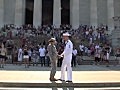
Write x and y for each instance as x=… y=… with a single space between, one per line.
x=38 y=77
x=41 y=79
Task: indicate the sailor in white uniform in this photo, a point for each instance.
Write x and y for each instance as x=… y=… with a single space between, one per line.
x=67 y=58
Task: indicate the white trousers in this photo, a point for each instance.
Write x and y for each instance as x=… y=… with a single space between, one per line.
x=66 y=65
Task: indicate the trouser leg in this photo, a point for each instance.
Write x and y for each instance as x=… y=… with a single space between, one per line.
x=44 y=60
x=48 y=61
x=41 y=61
x=53 y=69
x=61 y=62
x=69 y=71
x=74 y=61
x=63 y=69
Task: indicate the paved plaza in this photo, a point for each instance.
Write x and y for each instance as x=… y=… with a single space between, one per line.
x=83 y=75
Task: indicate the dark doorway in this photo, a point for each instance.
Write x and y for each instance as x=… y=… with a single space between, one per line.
x=65 y=11
x=47 y=12
x=29 y=11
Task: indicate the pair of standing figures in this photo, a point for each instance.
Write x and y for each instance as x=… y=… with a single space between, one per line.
x=67 y=58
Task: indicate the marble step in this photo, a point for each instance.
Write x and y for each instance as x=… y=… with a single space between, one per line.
x=59 y=85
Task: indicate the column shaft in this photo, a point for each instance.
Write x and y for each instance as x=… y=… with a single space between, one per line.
x=93 y=13
x=37 y=15
x=1 y=13
x=19 y=14
x=9 y=11
x=57 y=13
x=110 y=6
x=74 y=13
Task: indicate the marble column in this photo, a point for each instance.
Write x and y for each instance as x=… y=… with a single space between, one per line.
x=24 y=6
x=110 y=6
x=74 y=13
x=57 y=13
x=9 y=11
x=93 y=13
x=1 y=13
x=37 y=15
x=102 y=13
x=84 y=12
x=19 y=12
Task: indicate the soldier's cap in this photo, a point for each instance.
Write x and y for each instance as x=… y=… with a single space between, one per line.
x=52 y=40
x=66 y=34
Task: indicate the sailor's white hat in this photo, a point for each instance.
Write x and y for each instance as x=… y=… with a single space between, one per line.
x=66 y=34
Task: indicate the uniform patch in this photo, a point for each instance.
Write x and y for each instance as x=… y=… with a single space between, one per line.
x=69 y=46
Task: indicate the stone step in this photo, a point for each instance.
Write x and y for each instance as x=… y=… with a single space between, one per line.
x=85 y=60
x=91 y=62
x=59 y=85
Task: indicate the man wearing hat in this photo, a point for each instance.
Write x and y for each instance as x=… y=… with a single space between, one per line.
x=52 y=52
x=67 y=58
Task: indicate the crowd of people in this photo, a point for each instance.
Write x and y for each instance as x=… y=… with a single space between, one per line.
x=22 y=43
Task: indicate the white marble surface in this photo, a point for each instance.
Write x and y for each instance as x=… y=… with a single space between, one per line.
x=74 y=13
x=93 y=13
x=1 y=13
x=57 y=13
x=37 y=15
x=19 y=14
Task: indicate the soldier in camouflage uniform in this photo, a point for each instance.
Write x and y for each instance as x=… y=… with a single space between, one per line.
x=52 y=52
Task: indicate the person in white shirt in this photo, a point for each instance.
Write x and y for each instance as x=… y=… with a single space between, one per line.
x=67 y=58
x=97 y=46
x=74 y=54
x=81 y=46
x=42 y=52
x=90 y=40
x=20 y=55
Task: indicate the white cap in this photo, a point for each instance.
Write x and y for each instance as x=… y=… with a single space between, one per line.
x=66 y=34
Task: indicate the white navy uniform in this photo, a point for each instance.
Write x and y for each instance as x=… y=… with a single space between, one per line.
x=67 y=53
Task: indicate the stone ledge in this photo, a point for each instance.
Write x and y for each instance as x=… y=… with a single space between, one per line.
x=54 y=84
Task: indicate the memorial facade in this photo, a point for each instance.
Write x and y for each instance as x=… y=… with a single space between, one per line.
x=57 y=12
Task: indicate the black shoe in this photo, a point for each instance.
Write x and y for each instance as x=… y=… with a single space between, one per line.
x=68 y=81
x=61 y=80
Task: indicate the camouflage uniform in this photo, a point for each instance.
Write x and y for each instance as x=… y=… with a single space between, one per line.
x=52 y=52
